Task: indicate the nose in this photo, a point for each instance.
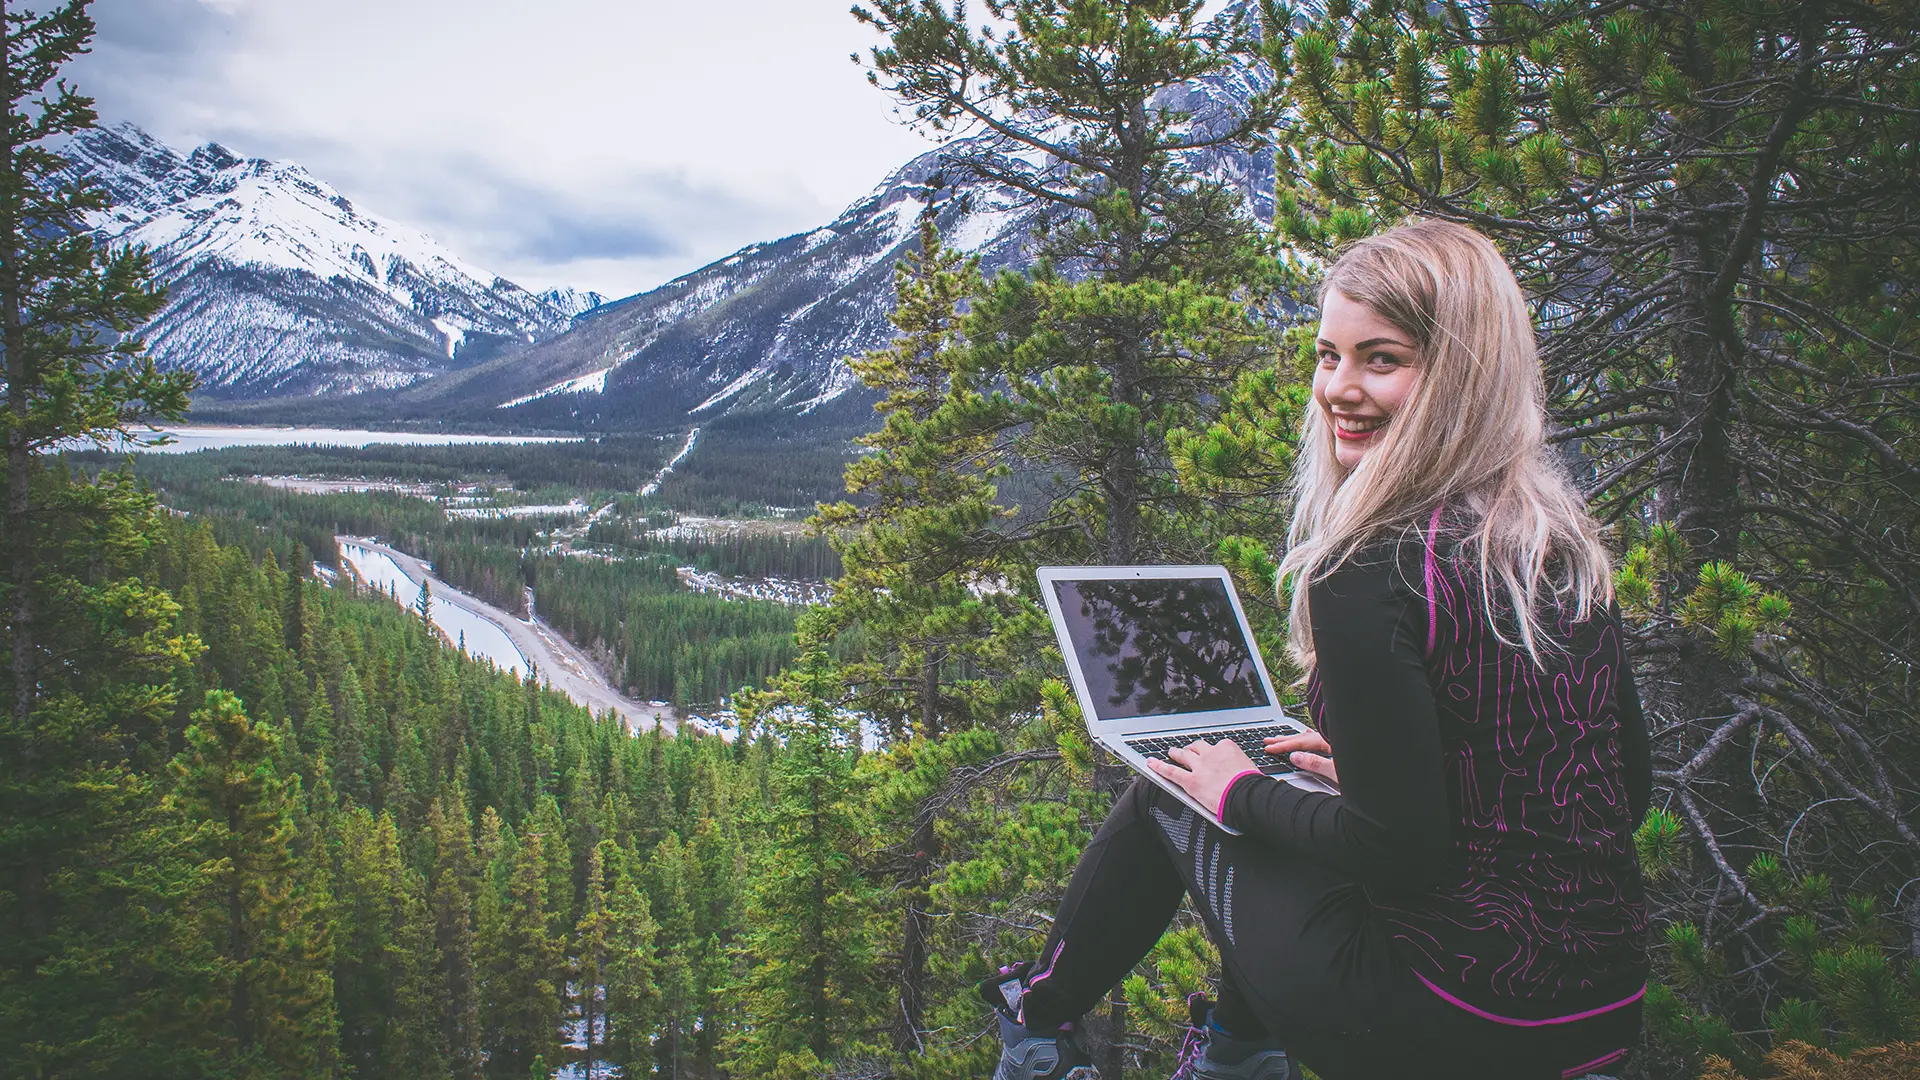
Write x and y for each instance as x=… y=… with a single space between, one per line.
x=1344 y=385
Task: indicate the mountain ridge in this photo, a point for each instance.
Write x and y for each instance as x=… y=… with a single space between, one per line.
x=769 y=326
x=280 y=286
x=288 y=298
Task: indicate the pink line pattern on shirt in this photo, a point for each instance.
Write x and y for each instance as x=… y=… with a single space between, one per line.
x=1543 y=900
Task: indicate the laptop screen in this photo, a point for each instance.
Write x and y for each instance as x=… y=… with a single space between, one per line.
x=1158 y=646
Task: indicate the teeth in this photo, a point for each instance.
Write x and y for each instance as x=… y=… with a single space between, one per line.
x=1358 y=427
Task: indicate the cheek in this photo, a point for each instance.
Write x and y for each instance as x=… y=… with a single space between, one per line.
x=1392 y=391
x=1321 y=377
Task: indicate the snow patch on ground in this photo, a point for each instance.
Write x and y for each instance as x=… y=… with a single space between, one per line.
x=667 y=469
x=572 y=508
x=746 y=379
x=593 y=382
x=454 y=334
x=771 y=589
x=905 y=216
x=977 y=229
x=839 y=380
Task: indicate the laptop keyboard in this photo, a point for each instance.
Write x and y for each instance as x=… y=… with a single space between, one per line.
x=1248 y=739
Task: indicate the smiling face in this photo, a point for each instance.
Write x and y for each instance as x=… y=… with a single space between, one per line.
x=1366 y=373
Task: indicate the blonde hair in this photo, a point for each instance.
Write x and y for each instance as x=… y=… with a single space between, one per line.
x=1471 y=435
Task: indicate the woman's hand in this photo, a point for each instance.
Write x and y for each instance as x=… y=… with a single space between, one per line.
x=1203 y=769
x=1308 y=751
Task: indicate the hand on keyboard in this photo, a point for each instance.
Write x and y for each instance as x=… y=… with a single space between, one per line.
x=1250 y=740
x=1203 y=769
x=1308 y=751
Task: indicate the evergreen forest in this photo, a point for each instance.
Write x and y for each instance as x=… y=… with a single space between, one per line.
x=255 y=825
x=623 y=601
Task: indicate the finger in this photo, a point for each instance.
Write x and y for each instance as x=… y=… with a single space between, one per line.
x=1166 y=768
x=1173 y=773
x=1184 y=754
x=1299 y=736
x=1313 y=763
x=1311 y=741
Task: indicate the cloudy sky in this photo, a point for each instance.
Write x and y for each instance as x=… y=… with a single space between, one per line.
x=603 y=144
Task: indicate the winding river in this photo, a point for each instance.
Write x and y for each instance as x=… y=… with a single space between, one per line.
x=496 y=635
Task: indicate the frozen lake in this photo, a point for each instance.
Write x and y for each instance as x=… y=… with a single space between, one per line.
x=187 y=439
x=483 y=638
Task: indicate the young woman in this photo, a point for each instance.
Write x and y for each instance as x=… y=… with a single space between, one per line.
x=1470 y=903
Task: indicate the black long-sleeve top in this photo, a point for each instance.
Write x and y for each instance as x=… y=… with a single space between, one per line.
x=1487 y=803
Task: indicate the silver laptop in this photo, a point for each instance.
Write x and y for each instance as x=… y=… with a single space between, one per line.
x=1161 y=656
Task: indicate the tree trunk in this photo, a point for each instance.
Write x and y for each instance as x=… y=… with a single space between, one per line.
x=930 y=727
x=912 y=881
x=1699 y=486
x=1106 y=1037
x=1700 y=494
x=913 y=938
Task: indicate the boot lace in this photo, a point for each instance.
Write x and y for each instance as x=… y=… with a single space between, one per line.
x=1193 y=1047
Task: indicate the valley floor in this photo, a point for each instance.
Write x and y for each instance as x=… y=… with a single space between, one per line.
x=561 y=666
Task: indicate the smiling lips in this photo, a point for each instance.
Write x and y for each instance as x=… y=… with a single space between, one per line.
x=1357 y=428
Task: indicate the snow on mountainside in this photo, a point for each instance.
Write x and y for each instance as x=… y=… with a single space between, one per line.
x=770 y=326
x=574 y=302
x=279 y=285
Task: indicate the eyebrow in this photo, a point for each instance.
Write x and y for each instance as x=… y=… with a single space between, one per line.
x=1368 y=344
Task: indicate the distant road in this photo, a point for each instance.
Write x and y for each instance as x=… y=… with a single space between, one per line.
x=562 y=667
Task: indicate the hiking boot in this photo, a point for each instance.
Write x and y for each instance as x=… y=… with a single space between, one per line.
x=1026 y=1055
x=1207 y=1053
x=1031 y=1055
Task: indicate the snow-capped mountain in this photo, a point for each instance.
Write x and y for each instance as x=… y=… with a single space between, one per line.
x=279 y=285
x=770 y=326
x=575 y=302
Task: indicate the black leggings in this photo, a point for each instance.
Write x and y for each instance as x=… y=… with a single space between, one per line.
x=1306 y=960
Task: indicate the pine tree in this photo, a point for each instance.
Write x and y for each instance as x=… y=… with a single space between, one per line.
x=65 y=308
x=354 y=765
x=295 y=618
x=631 y=1000
x=652 y=795
x=672 y=887
x=928 y=639
x=90 y=650
x=590 y=952
x=719 y=859
x=809 y=995
x=316 y=738
x=455 y=995
x=271 y=939
x=1132 y=320
x=381 y=963
x=613 y=990
x=556 y=866
x=522 y=1008
x=925 y=569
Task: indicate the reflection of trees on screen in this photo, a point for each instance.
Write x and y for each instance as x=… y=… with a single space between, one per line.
x=1170 y=645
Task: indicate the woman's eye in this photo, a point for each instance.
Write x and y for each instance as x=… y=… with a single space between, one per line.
x=1329 y=359
x=1384 y=360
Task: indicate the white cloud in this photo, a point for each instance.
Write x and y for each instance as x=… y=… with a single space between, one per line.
x=606 y=144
